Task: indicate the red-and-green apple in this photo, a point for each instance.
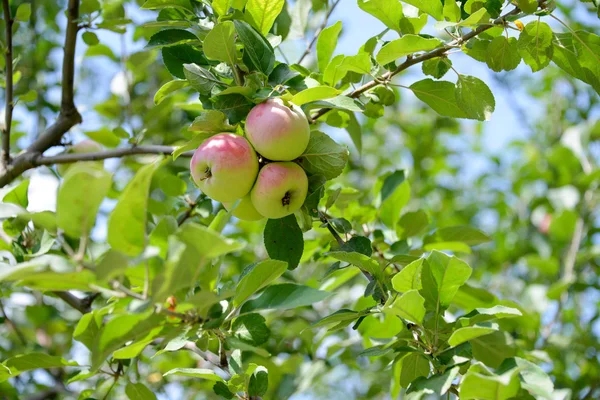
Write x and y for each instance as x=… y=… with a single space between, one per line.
x=278 y=132
x=224 y=167
x=85 y=146
x=245 y=210
x=280 y=189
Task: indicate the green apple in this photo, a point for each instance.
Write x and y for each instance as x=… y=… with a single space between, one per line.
x=280 y=189
x=224 y=167
x=278 y=131
x=245 y=210
x=85 y=146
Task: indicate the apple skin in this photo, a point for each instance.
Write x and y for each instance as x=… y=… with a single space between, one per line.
x=224 y=167
x=85 y=146
x=245 y=210
x=280 y=189
x=278 y=132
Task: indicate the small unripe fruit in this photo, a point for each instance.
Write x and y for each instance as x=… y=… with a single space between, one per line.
x=278 y=132
x=85 y=146
x=245 y=210
x=224 y=167
x=280 y=189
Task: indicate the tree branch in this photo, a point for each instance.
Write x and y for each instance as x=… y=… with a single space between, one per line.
x=84 y=305
x=68 y=116
x=318 y=32
x=9 y=84
x=13 y=325
x=103 y=155
x=410 y=61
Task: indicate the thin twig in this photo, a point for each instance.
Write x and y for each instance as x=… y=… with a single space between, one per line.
x=103 y=155
x=318 y=32
x=410 y=61
x=13 y=325
x=68 y=115
x=9 y=84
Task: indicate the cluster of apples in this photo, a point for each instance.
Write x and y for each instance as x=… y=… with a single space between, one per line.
x=258 y=170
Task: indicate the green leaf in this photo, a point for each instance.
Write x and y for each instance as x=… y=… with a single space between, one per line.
x=438 y=66
x=160 y=4
x=79 y=197
x=431 y=7
x=200 y=373
x=337 y=317
x=534 y=379
x=282 y=74
x=465 y=334
x=409 y=306
x=339 y=67
x=479 y=315
x=492 y=349
x=251 y=328
x=528 y=6
x=261 y=14
x=503 y=54
x=46 y=281
x=362 y=261
x=200 y=78
x=577 y=54
x=30 y=361
x=127 y=222
x=476 y=19
x=256 y=277
x=168 y=88
x=23 y=12
x=235 y=106
x=100 y=50
x=475 y=98
x=222 y=7
x=387 y=11
x=87 y=328
x=221 y=389
x=452 y=11
x=535 y=45
x=104 y=136
x=407 y=44
x=480 y=383
x=111 y=265
x=219 y=44
x=258 y=53
x=175 y=57
x=90 y=38
x=436 y=385
x=206 y=242
x=314 y=94
x=456 y=234
x=259 y=383
x=355 y=131
x=299 y=19
x=414 y=365
x=327 y=43
x=283 y=297
x=211 y=121
x=18 y=194
x=120 y=330
x=409 y=277
x=283 y=240
x=138 y=391
x=395 y=194
x=440 y=96
x=323 y=156
x=441 y=277
x=412 y=224
x=171 y=37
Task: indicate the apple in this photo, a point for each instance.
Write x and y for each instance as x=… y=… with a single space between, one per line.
x=280 y=189
x=278 y=132
x=245 y=210
x=85 y=146
x=224 y=167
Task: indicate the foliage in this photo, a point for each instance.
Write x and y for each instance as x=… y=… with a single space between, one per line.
x=399 y=275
